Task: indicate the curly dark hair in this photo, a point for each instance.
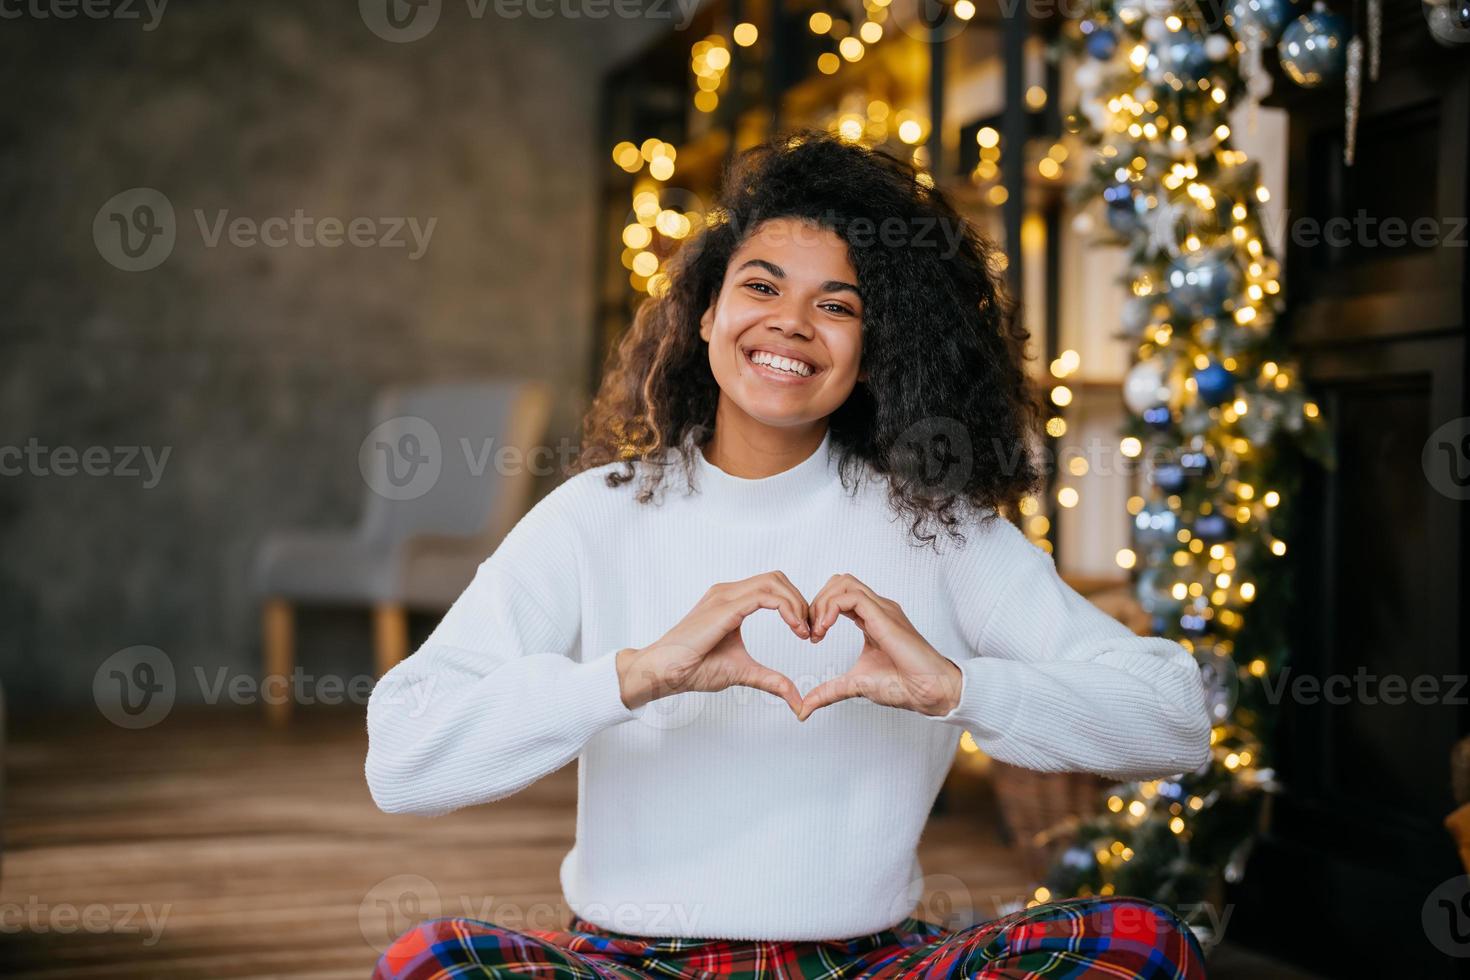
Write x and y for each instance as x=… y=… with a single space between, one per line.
x=943 y=349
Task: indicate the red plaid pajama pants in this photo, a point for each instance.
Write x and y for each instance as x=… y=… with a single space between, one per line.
x=1085 y=937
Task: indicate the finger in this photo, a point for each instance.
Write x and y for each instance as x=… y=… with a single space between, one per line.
x=818 y=613
x=801 y=604
x=774 y=682
x=828 y=692
x=860 y=607
x=778 y=582
x=770 y=599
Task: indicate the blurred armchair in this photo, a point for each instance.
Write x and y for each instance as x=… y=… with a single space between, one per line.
x=448 y=471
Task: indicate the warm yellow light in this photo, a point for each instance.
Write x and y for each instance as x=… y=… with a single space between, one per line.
x=645 y=263
x=1035 y=97
x=637 y=236
x=1067 y=496
x=706 y=101
x=1126 y=558
x=850 y=48
x=828 y=63
x=1131 y=447
x=964 y=9
x=987 y=136
x=820 y=22
x=745 y=34
x=910 y=132
x=1061 y=395
x=1049 y=168
x=1056 y=427
x=626 y=156
x=661 y=168
x=871 y=32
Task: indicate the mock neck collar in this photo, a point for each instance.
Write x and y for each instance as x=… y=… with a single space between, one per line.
x=769 y=496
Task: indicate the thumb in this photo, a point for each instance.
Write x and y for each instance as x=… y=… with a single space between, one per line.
x=828 y=692
x=773 y=682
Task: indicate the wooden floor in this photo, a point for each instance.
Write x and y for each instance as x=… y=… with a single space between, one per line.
x=213 y=846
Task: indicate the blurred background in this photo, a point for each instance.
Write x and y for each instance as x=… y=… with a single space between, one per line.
x=304 y=304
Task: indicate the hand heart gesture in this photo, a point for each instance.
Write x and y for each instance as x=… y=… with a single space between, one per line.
x=897 y=666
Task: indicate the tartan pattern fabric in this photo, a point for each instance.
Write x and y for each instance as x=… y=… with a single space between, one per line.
x=1109 y=937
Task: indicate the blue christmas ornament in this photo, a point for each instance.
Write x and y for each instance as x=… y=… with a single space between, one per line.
x=1156 y=526
x=1155 y=594
x=1168 y=477
x=1194 y=624
x=1212 y=528
x=1126 y=207
x=1196 y=463
x=1101 y=43
x=1199 y=286
x=1182 y=57
x=1214 y=384
x=1158 y=417
x=1313 y=48
x=1266 y=17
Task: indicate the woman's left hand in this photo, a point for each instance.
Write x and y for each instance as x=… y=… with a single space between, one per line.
x=897 y=666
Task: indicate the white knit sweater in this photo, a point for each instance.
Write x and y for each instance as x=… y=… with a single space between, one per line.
x=720 y=815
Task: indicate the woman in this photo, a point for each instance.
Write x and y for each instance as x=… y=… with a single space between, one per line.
x=763 y=610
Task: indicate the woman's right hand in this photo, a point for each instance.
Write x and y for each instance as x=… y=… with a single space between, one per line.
x=704 y=651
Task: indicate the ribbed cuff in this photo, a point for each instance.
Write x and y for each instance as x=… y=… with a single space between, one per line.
x=991 y=694
x=596 y=695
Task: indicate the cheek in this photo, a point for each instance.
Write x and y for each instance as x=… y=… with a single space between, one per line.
x=847 y=349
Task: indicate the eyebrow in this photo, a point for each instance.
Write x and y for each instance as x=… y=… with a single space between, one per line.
x=830 y=286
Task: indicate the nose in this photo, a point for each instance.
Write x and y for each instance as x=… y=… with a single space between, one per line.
x=791 y=321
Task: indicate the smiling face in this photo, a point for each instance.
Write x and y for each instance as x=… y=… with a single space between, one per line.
x=785 y=331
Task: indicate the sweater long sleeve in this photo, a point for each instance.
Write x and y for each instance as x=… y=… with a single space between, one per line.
x=496 y=697
x=1056 y=685
x=720 y=815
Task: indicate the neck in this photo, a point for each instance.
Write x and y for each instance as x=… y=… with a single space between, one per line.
x=743 y=447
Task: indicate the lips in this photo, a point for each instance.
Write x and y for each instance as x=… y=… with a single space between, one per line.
x=775 y=362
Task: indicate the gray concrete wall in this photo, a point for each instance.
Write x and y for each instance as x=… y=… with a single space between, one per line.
x=253 y=367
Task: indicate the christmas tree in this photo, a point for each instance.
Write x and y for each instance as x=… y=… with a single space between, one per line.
x=1218 y=425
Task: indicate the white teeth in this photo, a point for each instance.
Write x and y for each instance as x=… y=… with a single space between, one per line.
x=787 y=364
